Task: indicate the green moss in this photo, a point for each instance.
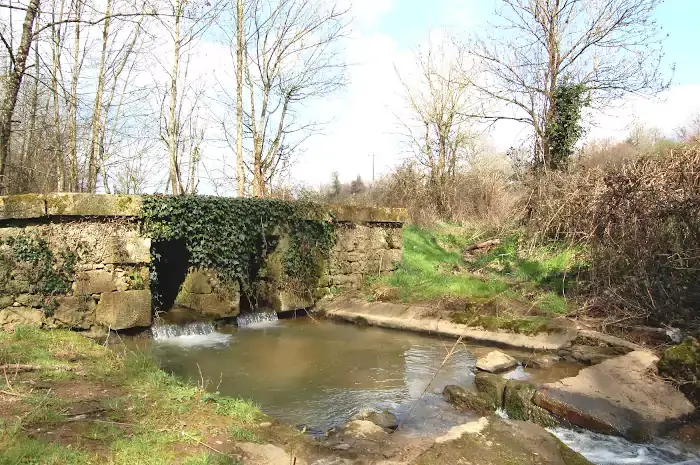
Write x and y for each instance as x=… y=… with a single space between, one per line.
x=681 y=364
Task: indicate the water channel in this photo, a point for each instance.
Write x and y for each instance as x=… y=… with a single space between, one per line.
x=318 y=375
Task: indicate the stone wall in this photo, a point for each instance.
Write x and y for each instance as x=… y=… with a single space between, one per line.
x=86 y=266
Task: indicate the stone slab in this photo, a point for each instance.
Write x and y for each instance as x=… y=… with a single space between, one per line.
x=94 y=282
x=353 y=214
x=65 y=204
x=410 y=318
x=127 y=250
x=496 y=362
x=125 y=309
x=22 y=206
x=620 y=396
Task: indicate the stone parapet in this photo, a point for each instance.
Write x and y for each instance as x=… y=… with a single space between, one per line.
x=107 y=205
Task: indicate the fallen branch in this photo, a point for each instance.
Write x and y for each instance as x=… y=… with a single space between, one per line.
x=9 y=393
x=22 y=368
x=483 y=245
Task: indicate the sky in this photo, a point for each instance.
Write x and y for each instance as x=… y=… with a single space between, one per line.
x=362 y=119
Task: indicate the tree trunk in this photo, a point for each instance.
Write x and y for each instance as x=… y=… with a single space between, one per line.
x=240 y=175
x=97 y=110
x=56 y=55
x=173 y=127
x=13 y=80
x=73 y=108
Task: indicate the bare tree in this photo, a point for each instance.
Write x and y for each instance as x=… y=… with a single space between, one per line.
x=438 y=132
x=240 y=44
x=189 y=20
x=612 y=48
x=292 y=57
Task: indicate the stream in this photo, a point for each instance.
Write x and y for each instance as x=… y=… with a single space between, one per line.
x=318 y=375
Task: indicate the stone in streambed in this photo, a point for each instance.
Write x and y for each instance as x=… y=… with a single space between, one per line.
x=494 y=441
x=518 y=404
x=385 y=419
x=490 y=387
x=496 y=362
x=468 y=401
x=620 y=396
x=681 y=364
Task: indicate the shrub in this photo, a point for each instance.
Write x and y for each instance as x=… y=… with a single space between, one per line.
x=641 y=223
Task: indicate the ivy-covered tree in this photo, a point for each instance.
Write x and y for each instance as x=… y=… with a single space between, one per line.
x=564 y=129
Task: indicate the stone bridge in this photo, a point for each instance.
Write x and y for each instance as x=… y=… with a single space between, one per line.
x=80 y=261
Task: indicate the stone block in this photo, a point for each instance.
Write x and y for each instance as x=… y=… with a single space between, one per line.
x=75 y=312
x=93 y=204
x=467 y=401
x=491 y=388
x=94 y=282
x=127 y=250
x=22 y=206
x=518 y=404
x=210 y=305
x=126 y=309
x=10 y=318
x=30 y=300
x=197 y=282
x=354 y=214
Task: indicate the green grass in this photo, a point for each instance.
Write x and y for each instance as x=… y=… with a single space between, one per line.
x=527 y=284
x=154 y=405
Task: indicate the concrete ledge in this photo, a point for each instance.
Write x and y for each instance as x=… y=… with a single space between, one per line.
x=399 y=316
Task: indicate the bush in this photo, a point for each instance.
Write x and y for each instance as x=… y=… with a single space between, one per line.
x=641 y=223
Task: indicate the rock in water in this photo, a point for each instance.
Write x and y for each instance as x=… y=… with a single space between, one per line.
x=618 y=396
x=518 y=404
x=491 y=388
x=362 y=429
x=498 y=442
x=385 y=419
x=496 y=362
x=468 y=401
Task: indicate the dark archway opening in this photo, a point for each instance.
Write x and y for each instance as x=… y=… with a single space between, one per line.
x=171 y=261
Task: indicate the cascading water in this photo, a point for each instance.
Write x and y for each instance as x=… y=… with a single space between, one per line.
x=198 y=333
x=257 y=319
x=167 y=331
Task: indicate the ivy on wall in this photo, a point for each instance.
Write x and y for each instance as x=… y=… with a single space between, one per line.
x=47 y=274
x=230 y=235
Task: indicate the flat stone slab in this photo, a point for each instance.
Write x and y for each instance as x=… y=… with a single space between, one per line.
x=496 y=362
x=621 y=396
x=412 y=318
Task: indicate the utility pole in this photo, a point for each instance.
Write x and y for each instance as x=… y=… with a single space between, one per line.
x=372 y=167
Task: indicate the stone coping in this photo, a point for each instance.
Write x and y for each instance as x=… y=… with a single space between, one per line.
x=26 y=206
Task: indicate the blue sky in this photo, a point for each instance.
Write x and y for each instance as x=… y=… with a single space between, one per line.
x=385 y=32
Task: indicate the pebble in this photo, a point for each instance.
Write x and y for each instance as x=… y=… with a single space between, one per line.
x=342 y=446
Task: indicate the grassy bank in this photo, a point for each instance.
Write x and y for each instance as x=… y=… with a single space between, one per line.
x=513 y=285
x=72 y=401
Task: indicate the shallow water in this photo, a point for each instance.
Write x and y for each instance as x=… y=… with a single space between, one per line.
x=320 y=374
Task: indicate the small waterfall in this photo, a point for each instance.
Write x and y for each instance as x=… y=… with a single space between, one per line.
x=167 y=331
x=257 y=319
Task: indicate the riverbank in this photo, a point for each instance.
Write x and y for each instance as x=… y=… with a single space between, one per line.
x=65 y=399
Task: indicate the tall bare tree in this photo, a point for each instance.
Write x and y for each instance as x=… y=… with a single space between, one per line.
x=439 y=97
x=240 y=45
x=612 y=48
x=292 y=57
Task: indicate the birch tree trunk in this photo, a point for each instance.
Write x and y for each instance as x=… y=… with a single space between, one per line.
x=73 y=106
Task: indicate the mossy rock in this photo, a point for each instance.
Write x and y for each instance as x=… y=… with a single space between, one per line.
x=517 y=402
x=93 y=205
x=681 y=364
x=503 y=442
x=491 y=387
x=22 y=206
x=467 y=401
